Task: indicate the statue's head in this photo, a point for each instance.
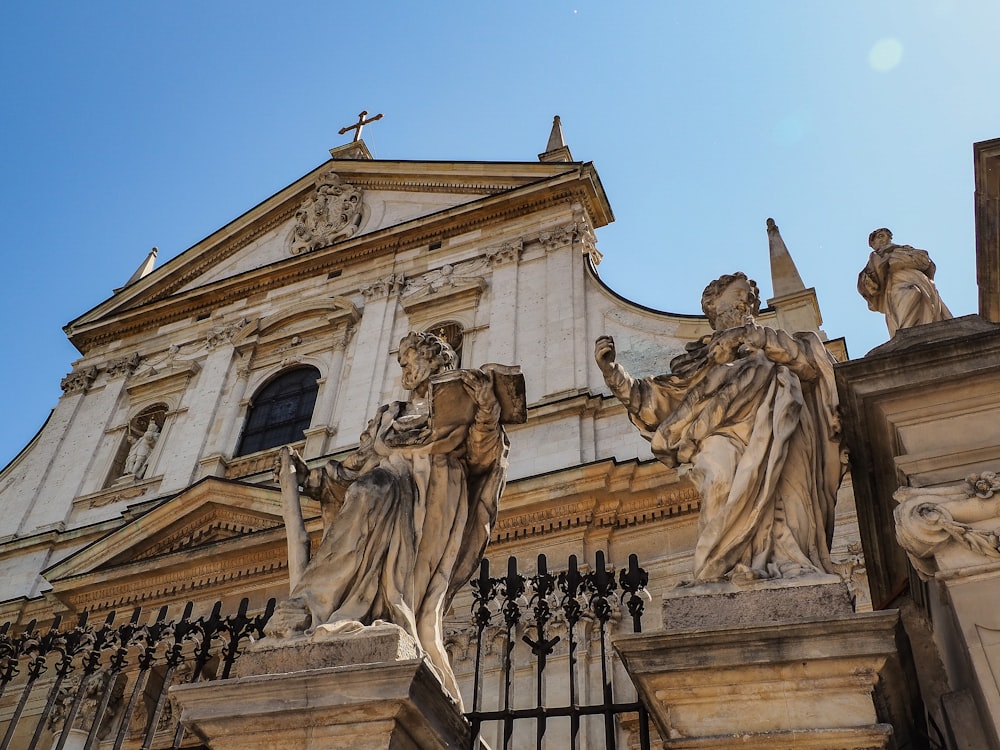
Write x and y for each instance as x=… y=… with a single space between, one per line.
x=731 y=300
x=423 y=354
x=880 y=239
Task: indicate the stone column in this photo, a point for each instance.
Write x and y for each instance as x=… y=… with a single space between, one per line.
x=227 y=443
x=364 y=691
x=321 y=429
x=363 y=390
x=503 y=308
x=775 y=667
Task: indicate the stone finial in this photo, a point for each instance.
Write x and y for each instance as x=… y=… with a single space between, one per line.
x=785 y=279
x=145 y=268
x=556 y=149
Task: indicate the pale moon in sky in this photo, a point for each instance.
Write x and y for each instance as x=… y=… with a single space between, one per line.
x=885 y=54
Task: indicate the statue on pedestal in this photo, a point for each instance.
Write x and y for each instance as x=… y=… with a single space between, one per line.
x=407 y=516
x=139 y=453
x=754 y=411
x=898 y=281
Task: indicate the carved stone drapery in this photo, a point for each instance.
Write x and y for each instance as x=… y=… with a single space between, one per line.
x=935 y=523
x=333 y=212
x=78 y=381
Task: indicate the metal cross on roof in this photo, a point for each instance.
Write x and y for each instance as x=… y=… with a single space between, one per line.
x=360 y=124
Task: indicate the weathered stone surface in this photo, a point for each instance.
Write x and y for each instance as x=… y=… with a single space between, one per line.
x=723 y=605
x=372 y=645
x=384 y=706
x=805 y=684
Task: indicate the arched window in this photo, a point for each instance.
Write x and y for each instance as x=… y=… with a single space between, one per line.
x=451 y=332
x=280 y=411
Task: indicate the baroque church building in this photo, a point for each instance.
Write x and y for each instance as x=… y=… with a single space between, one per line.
x=152 y=483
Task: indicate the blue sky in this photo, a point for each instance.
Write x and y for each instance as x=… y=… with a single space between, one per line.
x=128 y=125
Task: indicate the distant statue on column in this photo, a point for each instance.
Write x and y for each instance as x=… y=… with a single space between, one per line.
x=898 y=281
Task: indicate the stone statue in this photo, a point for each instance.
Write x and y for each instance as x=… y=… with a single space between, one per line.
x=899 y=282
x=958 y=524
x=408 y=515
x=142 y=447
x=754 y=410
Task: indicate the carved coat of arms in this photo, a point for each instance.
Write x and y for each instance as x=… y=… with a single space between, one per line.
x=335 y=211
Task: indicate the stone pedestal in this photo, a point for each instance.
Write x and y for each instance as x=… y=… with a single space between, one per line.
x=790 y=668
x=315 y=694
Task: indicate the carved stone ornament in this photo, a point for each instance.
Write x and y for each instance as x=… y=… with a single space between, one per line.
x=93 y=693
x=78 y=381
x=124 y=366
x=944 y=526
x=392 y=284
x=333 y=212
x=558 y=237
x=224 y=334
x=446 y=277
x=508 y=252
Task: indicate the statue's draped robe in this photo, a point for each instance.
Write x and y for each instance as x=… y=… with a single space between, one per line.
x=762 y=434
x=899 y=282
x=416 y=514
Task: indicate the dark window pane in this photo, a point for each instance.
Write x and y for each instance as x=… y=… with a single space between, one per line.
x=280 y=411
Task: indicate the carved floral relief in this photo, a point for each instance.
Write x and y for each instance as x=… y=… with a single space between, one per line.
x=937 y=522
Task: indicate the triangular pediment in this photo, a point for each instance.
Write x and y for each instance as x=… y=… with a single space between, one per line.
x=184 y=540
x=340 y=212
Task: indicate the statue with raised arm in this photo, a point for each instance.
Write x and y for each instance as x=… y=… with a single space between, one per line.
x=139 y=453
x=407 y=516
x=898 y=281
x=754 y=411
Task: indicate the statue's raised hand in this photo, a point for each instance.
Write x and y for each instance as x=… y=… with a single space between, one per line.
x=301 y=467
x=605 y=354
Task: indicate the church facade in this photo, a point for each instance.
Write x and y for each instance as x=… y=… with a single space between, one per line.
x=152 y=482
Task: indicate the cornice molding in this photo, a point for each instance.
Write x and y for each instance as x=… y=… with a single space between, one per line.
x=158 y=308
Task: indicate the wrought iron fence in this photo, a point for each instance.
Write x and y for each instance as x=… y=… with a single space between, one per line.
x=528 y=605
x=110 y=680
x=107 y=682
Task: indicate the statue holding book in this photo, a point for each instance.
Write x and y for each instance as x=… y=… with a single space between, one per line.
x=407 y=516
